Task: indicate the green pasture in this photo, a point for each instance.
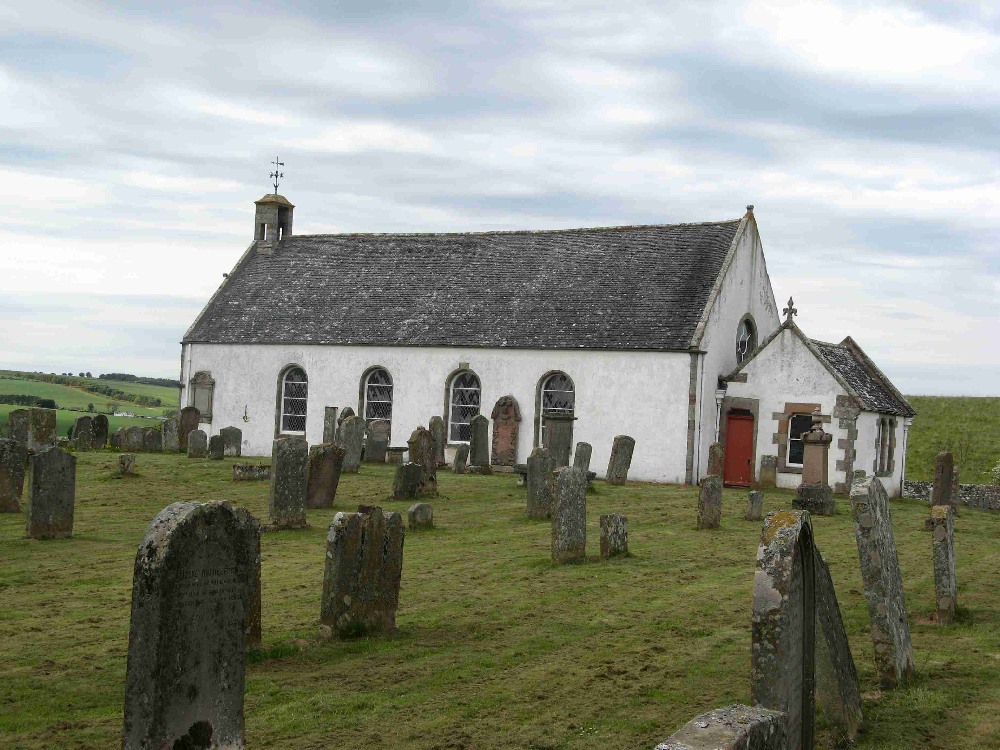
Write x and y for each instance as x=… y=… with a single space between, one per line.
x=65 y=420
x=496 y=647
x=77 y=397
x=968 y=427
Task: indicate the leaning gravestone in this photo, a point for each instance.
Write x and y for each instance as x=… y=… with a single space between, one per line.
x=216 y=447
x=883 y=583
x=287 y=504
x=614 y=535
x=135 y=439
x=126 y=463
x=49 y=514
x=41 y=429
x=621 y=459
x=437 y=430
x=191 y=597
x=581 y=456
x=352 y=437
x=539 y=484
x=13 y=457
x=364 y=562
x=232 y=441
x=99 y=425
x=189 y=421
x=569 y=515
x=461 y=459
x=420 y=516
x=377 y=444
x=171 y=435
x=755 y=506
x=735 y=727
x=329 y=425
x=506 y=418
x=152 y=440
x=197 y=444
x=325 y=464
x=83 y=433
x=710 y=502
x=782 y=666
x=479 y=442
x=943 y=541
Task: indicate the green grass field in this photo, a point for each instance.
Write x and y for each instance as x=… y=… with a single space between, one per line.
x=968 y=427
x=496 y=648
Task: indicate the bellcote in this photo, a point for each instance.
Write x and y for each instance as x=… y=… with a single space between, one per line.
x=272 y=219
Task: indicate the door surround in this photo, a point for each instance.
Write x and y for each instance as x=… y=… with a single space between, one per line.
x=752 y=405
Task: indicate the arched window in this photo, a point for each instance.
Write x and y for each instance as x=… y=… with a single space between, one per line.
x=557 y=395
x=294 y=389
x=464 y=400
x=378 y=395
x=746 y=340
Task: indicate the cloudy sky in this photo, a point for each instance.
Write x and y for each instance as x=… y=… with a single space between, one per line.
x=134 y=138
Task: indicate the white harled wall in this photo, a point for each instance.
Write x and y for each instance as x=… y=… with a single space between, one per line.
x=642 y=394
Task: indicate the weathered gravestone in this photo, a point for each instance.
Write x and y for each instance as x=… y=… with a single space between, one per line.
x=716 y=457
x=420 y=516
x=232 y=441
x=191 y=599
x=437 y=430
x=569 y=515
x=325 y=464
x=539 y=484
x=171 y=435
x=83 y=433
x=287 y=503
x=479 y=442
x=152 y=439
x=581 y=456
x=943 y=544
x=506 y=418
x=944 y=474
x=216 y=447
x=377 y=443
x=49 y=514
x=252 y=622
x=126 y=463
x=734 y=727
x=621 y=459
x=395 y=454
x=189 y=420
x=13 y=457
x=135 y=439
x=18 y=422
x=345 y=414
x=815 y=493
x=783 y=647
x=364 y=561
x=710 y=502
x=409 y=481
x=421 y=444
x=41 y=429
x=116 y=439
x=883 y=583
x=461 y=459
x=99 y=426
x=352 y=439
x=768 y=476
x=197 y=444
x=329 y=425
x=559 y=437
x=755 y=506
x=614 y=535
x=250 y=472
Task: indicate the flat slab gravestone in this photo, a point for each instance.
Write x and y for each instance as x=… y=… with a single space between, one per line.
x=287 y=503
x=325 y=464
x=461 y=459
x=734 y=727
x=437 y=430
x=197 y=444
x=232 y=441
x=943 y=544
x=189 y=420
x=581 y=456
x=99 y=426
x=755 y=506
x=13 y=459
x=539 y=484
x=191 y=597
x=621 y=459
x=216 y=447
x=364 y=563
x=420 y=516
x=614 y=535
x=883 y=583
x=506 y=416
x=49 y=514
x=352 y=438
x=569 y=515
x=126 y=463
x=710 y=502
x=171 y=435
x=479 y=441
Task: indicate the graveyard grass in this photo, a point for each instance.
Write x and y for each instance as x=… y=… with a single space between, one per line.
x=496 y=647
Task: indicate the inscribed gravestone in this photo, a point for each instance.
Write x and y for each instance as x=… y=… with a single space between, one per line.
x=782 y=666
x=41 y=429
x=461 y=459
x=134 y=439
x=191 y=594
x=287 y=504
x=614 y=535
x=232 y=441
x=420 y=516
x=352 y=437
x=437 y=430
x=710 y=502
x=569 y=515
x=506 y=418
x=99 y=425
x=883 y=583
x=189 y=421
x=943 y=545
x=559 y=437
x=581 y=456
x=83 y=433
x=539 y=484
x=325 y=464
x=49 y=514
x=621 y=459
x=197 y=444
x=735 y=727
x=377 y=444
x=479 y=441
x=126 y=463
x=13 y=457
x=364 y=562
x=152 y=439
x=755 y=506
x=216 y=447
x=329 y=425
x=171 y=435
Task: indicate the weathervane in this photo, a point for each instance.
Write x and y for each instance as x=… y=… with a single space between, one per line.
x=276 y=175
x=789 y=311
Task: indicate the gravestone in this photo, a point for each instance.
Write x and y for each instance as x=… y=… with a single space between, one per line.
x=755 y=506
x=621 y=459
x=232 y=441
x=49 y=514
x=18 y=425
x=735 y=727
x=559 y=437
x=364 y=562
x=479 y=441
x=883 y=583
x=506 y=418
x=614 y=535
x=352 y=437
x=152 y=440
x=13 y=458
x=569 y=515
x=461 y=459
x=539 y=484
x=171 y=435
x=814 y=494
x=83 y=433
x=126 y=463
x=377 y=443
x=216 y=447
x=191 y=593
x=836 y=676
x=252 y=622
x=287 y=503
x=116 y=439
x=768 y=476
x=716 y=457
x=197 y=444
x=581 y=456
x=943 y=545
x=420 y=516
x=325 y=464
x=135 y=439
x=437 y=430
x=409 y=481
x=100 y=427
x=345 y=414
x=944 y=491
x=421 y=444
x=250 y=472
x=782 y=666
x=41 y=429
x=329 y=425
x=189 y=420
x=395 y=455
x=710 y=502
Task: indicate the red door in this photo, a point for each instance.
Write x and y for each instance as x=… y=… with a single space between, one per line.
x=738 y=463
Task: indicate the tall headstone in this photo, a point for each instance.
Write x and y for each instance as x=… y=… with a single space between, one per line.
x=559 y=437
x=152 y=439
x=99 y=425
x=735 y=727
x=479 y=442
x=755 y=506
x=569 y=515
x=461 y=459
x=216 y=447
x=409 y=481
x=506 y=418
x=18 y=422
x=189 y=421
x=815 y=493
x=49 y=514
x=171 y=435
x=420 y=516
x=252 y=622
x=883 y=583
x=232 y=441
x=437 y=430
x=135 y=439
x=377 y=443
x=345 y=414
x=191 y=593
x=539 y=484
x=287 y=504
x=581 y=456
x=330 y=424
x=197 y=444
x=614 y=535
x=621 y=459
x=41 y=429
x=13 y=458
x=83 y=433
x=421 y=444
x=352 y=437
x=767 y=478
x=325 y=464
x=716 y=457
x=710 y=502
x=943 y=545
x=944 y=479
x=782 y=666
x=364 y=562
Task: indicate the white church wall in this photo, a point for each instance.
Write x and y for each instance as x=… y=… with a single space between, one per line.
x=866 y=451
x=642 y=394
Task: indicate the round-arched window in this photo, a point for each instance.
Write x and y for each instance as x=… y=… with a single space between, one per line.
x=746 y=340
x=464 y=400
x=557 y=396
x=378 y=395
x=294 y=390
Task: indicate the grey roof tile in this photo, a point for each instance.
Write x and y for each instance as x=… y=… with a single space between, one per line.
x=870 y=386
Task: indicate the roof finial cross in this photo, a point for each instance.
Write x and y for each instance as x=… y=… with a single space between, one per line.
x=790 y=311
x=276 y=175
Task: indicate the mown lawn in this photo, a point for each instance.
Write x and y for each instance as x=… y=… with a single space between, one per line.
x=496 y=647
x=968 y=427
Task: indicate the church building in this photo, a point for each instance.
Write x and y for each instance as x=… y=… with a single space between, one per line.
x=667 y=333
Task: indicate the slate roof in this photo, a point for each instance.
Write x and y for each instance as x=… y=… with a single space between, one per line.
x=635 y=287
x=873 y=389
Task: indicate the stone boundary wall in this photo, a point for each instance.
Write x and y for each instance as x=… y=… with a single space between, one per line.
x=978 y=496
